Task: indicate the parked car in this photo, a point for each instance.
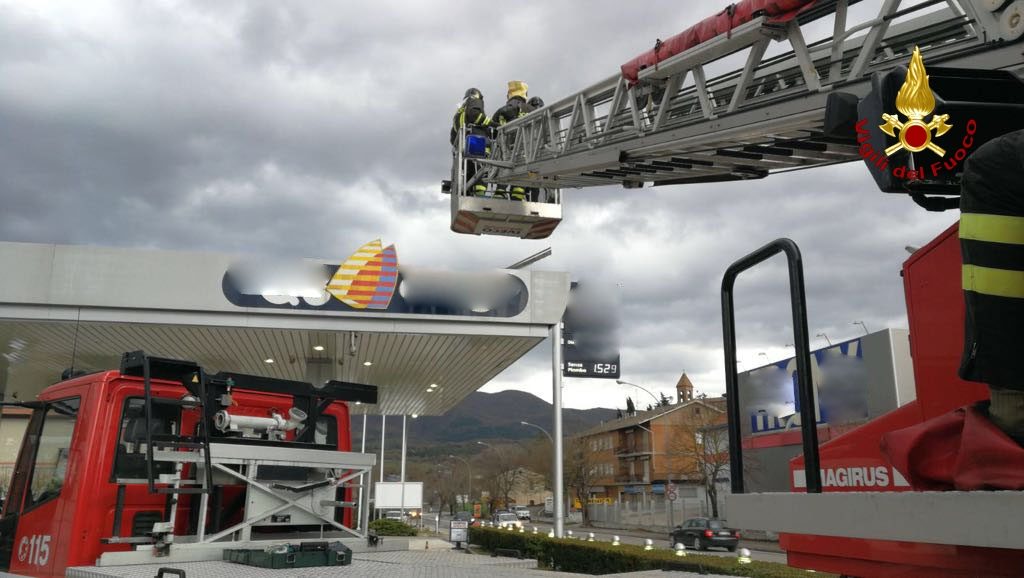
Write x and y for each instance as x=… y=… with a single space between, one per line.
x=505 y=519
x=704 y=533
x=522 y=512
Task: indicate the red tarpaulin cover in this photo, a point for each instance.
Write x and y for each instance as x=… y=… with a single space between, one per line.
x=721 y=23
x=960 y=450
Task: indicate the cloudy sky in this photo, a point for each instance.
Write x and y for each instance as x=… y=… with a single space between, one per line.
x=305 y=129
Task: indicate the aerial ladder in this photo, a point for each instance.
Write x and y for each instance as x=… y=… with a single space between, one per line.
x=664 y=120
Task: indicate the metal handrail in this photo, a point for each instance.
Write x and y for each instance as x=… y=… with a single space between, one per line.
x=805 y=385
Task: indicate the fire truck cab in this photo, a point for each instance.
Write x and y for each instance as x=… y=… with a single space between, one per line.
x=161 y=460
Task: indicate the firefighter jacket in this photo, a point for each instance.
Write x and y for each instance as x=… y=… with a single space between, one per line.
x=513 y=109
x=992 y=247
x=471 y=113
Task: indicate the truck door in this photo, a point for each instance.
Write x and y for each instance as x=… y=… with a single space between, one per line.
x=30 y=527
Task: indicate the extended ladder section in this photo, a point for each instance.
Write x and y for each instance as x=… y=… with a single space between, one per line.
x=664 y=121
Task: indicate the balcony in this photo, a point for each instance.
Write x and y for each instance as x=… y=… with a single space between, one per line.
x=634 y=451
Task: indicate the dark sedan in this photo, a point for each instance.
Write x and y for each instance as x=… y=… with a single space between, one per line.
x=466 y=517
x=704 y=533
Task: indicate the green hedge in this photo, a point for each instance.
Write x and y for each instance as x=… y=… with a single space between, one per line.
x=385 y=527
x=603 y=558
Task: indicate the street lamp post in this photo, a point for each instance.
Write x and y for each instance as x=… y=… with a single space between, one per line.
x=469 y=471
x=861 y=323
x=623 y=382
x=496 y=449
x=526 y=423
x=827 y=340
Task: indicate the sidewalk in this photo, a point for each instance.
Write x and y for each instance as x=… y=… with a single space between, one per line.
x=433 y=564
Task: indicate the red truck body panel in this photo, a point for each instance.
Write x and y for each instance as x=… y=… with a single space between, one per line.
x=73 y=524
x=931 y=279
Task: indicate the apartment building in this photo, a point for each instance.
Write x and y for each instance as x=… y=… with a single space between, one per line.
x=637 y=455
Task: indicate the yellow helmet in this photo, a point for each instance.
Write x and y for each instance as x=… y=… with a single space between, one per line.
x=517 y=88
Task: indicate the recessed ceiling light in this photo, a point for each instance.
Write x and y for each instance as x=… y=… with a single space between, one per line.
x=432 y=385
x=359 y=403
x=415 y=415
x=430 y=390
x=318 y=348
x=481 y=309
x=268 y=360
x=367 y=363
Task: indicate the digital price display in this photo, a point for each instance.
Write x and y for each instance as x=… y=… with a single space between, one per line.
x=590 y=327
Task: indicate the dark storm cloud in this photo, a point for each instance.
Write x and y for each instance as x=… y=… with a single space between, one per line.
x=306 y=129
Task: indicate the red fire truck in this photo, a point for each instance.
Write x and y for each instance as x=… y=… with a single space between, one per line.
x=161 y=461
x=684 y=113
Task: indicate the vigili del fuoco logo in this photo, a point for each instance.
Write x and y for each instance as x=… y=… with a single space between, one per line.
x=915 y=101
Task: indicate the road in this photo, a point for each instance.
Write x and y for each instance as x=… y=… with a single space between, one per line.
x=636 y=537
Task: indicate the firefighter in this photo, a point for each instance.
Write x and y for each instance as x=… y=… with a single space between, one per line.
x=535 y=103
x=514 y=108
x=471 y=114
x=992 y=248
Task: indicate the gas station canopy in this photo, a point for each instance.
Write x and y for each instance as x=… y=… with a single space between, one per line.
x=426 y=338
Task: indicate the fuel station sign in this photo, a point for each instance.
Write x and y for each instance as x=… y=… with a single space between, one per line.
x=590 y=333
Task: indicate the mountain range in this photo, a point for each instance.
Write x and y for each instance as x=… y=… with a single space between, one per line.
x=480 y=416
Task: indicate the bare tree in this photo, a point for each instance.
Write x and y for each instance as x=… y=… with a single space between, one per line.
x=580 y=470
x=503 y=473
x=440 y=483
x=537 y=458
x=701 y=450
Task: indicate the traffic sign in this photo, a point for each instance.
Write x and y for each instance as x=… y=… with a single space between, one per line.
x=458 y=531
x=670 y=492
